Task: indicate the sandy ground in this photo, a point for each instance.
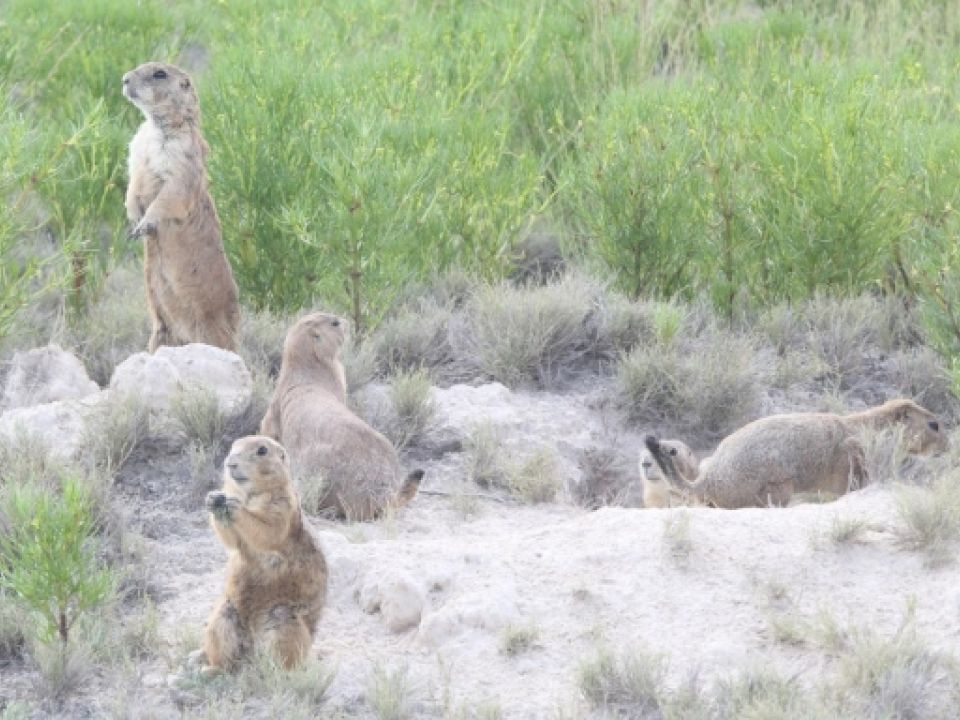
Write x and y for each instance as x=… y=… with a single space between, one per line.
x=612 y=578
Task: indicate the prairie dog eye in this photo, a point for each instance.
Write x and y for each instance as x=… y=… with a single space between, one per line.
x=159 y=74
x=262 y=450
x=934 y=425
x=673 y=451
x=335 y=322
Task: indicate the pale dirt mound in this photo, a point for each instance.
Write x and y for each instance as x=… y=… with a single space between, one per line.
x=585 y=580
x=582 y=580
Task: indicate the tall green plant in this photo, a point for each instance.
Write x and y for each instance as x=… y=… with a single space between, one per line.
x=48 y=558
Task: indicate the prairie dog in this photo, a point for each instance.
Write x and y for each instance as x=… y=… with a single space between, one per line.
x=351 y=470
x=191 y=292
x=276 y=573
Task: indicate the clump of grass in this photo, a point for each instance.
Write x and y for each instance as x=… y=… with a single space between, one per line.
x=12 y=623
x=931 y=518
x=536 y=479
x=515 y=640
x=416 y=337
x=899 y=677
x=359 y=364
x=883 y=454
x=198 y=411
x=466 y=505
x=262 y=333
x=528 y=335
x=606 y=477
x=114 y=432
x=414 y=409
x=920 y=373
x=388 y=693
x=709 y=384
x=765 y=695
x=622 y=324
x=485 y=456
x=114 y=326
x=676 y=536
x=629 y=685
x=63 y=668
x=847 y=530
x=27 y=456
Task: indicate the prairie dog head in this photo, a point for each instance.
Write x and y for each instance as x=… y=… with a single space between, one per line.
x=668 y=461
x=164 y=93
x=255 y=464
x=921 y=430
x=315 y=341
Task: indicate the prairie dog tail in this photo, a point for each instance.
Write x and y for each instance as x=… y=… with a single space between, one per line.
x=408 y=491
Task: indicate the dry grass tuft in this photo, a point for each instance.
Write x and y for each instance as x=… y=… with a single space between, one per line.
x=931 y=518
x=629 y=685
x=536 y=479
x=485 y=454
x=528 y=335
x=676 y=536
x=515 y=640
x=607 y=478
x=708 y=383
x=198 y=411
x=413 y=407
x=388 y=693
x=114 y=432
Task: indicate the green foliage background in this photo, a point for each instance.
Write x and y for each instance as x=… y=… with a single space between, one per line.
x=747 y=151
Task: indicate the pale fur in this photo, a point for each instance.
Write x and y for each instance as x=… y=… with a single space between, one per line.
x=191 y=292
x=331 y=448
x=276 y=573
x=659 y=490
x=766 y=461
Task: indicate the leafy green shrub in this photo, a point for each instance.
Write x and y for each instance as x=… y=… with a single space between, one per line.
x=49 y=557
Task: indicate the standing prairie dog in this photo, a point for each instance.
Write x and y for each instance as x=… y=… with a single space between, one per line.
x=666 y=468
x=344 y=465
x=276 y=574
x=766 y=461
x=190 y=287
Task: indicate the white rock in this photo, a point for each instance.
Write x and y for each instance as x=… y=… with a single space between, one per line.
x=396 y=596
x=159 y=377
x=45 y=375
x=60 y=426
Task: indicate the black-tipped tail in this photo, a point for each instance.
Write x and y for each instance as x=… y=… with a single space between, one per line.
x=410 y=488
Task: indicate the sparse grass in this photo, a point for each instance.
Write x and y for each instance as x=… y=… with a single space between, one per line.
x=388 y=693
x=763 y=694
x=413 y=406
x=536 y=479
x=883 y=453
x=198 y=411
x=114 y=431
x=466 y=504
x=515 y=640
x=931 y=518
x=528 y=335
x=261 y=340
x=628 y=685
x=204 y=474
x=676 y=536
x=12 y=623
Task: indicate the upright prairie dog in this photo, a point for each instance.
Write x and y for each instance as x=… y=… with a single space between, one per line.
x=661 y=459
x=190 y=287
x=344 y=466
x=766 y=461
x=276 y=574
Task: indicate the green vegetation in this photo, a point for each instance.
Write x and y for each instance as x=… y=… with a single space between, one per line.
x=746 y=152
x=48 y=558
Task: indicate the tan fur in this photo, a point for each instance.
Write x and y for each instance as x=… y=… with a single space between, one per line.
x=190 y=287
x=276 y=573
x=308 y=413
x=658 y=490
x=767 y=461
